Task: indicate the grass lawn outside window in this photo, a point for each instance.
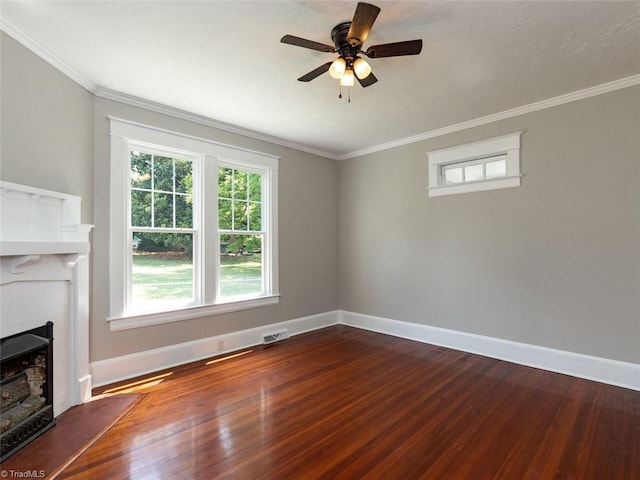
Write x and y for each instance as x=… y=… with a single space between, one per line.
x=169 y=275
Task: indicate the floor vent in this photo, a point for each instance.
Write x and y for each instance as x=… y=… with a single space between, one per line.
x=269 y=338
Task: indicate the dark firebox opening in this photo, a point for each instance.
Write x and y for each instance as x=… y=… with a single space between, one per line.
x=26 y=387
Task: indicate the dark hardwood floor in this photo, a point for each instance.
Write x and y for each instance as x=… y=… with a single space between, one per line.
x=343 y=403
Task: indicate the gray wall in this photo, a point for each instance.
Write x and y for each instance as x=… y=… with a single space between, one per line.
x=47 y=126
x=555 y=262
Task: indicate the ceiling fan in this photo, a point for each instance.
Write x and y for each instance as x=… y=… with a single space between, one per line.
x=348 y=39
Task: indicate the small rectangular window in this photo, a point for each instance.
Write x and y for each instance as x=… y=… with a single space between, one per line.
x=475 y=170
x=485 y=165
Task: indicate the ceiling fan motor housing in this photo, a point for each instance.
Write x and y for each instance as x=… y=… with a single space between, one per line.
x=343 y=47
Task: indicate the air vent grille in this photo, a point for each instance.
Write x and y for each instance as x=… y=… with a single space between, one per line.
x=274 y=337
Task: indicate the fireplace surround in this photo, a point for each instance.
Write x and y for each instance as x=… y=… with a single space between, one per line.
x=44 y=277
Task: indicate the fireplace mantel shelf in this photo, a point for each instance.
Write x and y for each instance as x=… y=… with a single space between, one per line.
x=42 y=248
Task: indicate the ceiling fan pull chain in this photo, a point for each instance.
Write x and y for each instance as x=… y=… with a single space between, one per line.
x=340 y=94
x=349 y=93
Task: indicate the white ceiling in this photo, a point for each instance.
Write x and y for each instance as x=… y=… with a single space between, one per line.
x=223 y=60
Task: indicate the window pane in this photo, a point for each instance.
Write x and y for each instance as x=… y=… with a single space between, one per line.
x=225 y=180
x=255 y=216
x=184 y=176
x=140 y=170
x=240 y=265
x=496 y=169
x=255 y=187
x=184 y=211
x=240 y=221
x=140 y=208
x=162 y=270
x=453 y=175
x=240 y=187
x=163 y=173
x=225 y=215
x=473 y=173
x=163 y=210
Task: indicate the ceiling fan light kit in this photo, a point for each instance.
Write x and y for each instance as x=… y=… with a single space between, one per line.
x=347 y=79
x=348 y=39
x=337 y=68
x=361 y=68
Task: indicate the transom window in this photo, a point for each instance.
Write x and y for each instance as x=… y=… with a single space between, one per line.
x=475 y=170
x=485 y=165
x=196 y=225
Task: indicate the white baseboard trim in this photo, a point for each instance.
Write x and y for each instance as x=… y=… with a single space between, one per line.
x=124 y=367
x=83 y=392
x=604 y=370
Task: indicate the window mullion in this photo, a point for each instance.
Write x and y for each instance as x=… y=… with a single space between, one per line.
x=173 y=194
x=210 y=239
x=153 y=192
x=233 y=197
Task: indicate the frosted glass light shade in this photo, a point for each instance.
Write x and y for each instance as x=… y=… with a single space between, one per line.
x=347 y=79
x=362 y=68
x=337 y=68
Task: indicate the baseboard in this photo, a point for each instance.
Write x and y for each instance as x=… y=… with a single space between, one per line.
x=84 y=390
x=124 y=367
x=613 y=372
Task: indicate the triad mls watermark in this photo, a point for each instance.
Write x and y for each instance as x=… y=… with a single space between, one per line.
x=22 y=473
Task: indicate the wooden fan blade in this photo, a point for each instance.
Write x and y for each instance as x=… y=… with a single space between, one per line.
x=315 y=73
x=362 y=22
x=369 y=80
x=410 y=47
x=303 y=42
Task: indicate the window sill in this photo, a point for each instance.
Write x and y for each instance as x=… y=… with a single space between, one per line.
x=129 y=321
x=482 y=185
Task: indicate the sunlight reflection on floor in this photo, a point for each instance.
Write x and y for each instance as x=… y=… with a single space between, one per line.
x=139 y=385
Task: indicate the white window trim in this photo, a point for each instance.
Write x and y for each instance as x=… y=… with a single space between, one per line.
x=123 y=131
x=508 y=145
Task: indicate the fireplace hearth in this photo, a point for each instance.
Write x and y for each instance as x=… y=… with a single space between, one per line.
x=26 y=387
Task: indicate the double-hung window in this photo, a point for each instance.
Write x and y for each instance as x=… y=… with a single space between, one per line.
x=193 y=227
x=240 y=232
x=161 y=272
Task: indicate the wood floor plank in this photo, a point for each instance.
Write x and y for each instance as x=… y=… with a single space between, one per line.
x=50 y=453
x=344 y=403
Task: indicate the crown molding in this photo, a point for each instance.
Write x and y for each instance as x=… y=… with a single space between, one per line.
x=37 y=48
x=514 y=112
x=47 y=55
x=202 y=120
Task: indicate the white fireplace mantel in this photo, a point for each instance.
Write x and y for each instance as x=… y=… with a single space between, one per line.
x=44 y=275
